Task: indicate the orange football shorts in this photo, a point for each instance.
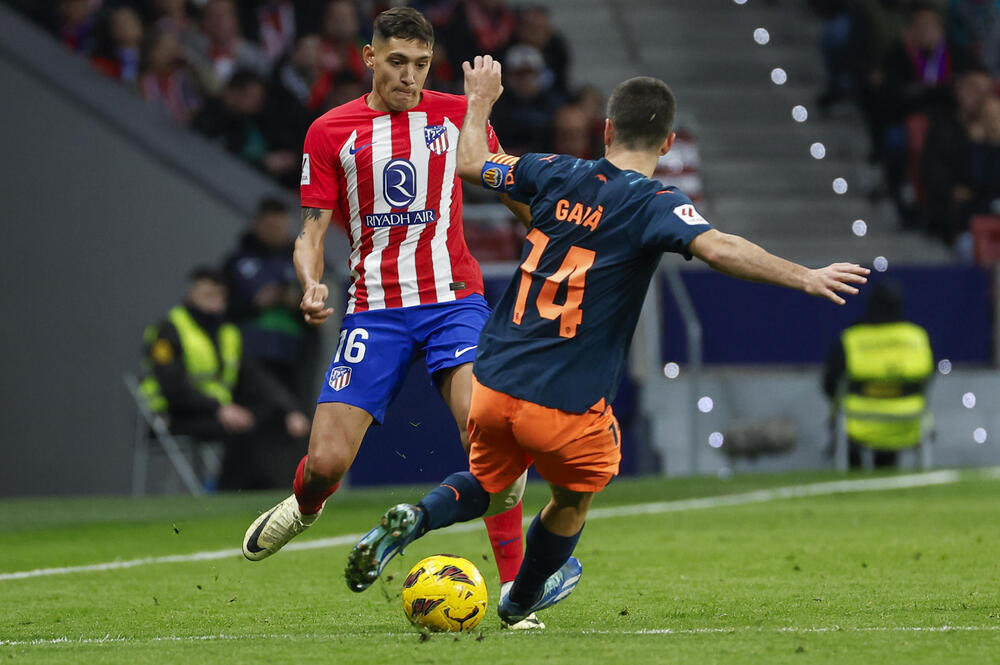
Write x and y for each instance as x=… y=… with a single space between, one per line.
x=577 y=451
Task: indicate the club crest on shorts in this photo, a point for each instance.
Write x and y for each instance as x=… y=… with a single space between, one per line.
x=436 y=137
x=340 y=378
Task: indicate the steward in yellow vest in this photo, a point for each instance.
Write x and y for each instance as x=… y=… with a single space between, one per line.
x=196 y=375
x=210 y=363
x=880 y=372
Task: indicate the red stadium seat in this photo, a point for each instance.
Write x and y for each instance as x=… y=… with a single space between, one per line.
x=986 y=239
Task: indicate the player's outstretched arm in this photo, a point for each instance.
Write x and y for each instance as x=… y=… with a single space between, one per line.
x=741 y=258
x=482 y=89
x=308 y=259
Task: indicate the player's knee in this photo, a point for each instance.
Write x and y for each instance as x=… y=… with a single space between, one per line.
x=332 y=446
x=326 y=467
x=508 y=497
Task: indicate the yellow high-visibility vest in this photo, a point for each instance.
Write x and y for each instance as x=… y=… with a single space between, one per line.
x=888 y=366
x=213 y=374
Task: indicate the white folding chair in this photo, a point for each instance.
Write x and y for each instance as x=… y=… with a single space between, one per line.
x=151 y=426
x=922 y=449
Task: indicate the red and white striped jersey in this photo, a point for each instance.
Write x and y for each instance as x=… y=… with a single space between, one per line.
x=390 y=179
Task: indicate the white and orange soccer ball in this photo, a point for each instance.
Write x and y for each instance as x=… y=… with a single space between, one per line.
x=445 y=593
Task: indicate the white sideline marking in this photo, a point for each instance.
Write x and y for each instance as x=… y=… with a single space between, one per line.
x=796 y=630
x=756 y=496
x=222 y=637
x=793 y=492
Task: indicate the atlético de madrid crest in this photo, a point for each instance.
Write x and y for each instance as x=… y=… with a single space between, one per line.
x=436 y=137
x=340 y=378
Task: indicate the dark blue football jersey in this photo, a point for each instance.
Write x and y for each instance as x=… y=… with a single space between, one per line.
x=560 y=335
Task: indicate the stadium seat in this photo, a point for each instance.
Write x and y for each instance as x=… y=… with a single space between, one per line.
x=179 y=450
x=986 y=239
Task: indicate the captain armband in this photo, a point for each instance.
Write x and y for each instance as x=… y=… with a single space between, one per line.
x=498 y=172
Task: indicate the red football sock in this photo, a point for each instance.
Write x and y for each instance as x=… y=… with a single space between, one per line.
x=310 y=498
x=507 y=541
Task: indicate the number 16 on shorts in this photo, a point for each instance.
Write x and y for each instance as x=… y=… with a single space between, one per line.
x=352 y=348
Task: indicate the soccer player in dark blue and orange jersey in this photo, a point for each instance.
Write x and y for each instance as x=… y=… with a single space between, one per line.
x=552 y=353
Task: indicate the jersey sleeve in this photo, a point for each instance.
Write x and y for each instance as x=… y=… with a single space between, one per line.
x=320 y=180
x=491 y=138
x=522 y=177
x=674 y=223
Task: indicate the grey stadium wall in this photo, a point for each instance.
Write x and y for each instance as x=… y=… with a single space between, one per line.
x=105 y=208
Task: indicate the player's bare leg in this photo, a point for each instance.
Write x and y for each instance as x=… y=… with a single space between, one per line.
x=566 y=511
x=337 y=432
x=456 y=389
x=503 y=523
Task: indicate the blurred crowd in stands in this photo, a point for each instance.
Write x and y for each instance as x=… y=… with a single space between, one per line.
x=926 y=77
x=253 y=74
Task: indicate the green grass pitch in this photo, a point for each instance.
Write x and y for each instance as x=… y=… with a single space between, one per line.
x=892 y=576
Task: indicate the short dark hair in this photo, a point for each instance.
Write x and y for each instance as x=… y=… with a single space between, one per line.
x=208 y=274
x=270 y=205
x=642 y=111
x=404 y=23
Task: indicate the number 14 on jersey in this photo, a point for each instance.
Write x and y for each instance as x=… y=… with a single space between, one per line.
x=573 y=270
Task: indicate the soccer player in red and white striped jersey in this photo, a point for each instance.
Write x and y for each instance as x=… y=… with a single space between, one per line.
x=384 y=167
x=390 y=180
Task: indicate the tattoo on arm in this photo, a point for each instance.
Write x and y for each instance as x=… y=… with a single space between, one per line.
x=309 y=215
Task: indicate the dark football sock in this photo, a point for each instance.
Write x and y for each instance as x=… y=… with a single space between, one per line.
x=459 y=498
x=544 y=554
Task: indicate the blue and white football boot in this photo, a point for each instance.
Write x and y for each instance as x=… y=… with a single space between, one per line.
x=559 y=585
x=397 y=529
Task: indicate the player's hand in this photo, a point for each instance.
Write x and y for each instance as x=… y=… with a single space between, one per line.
x=826 y=282
x=313 y=304
x=296 y=424
x=235 y=418
x=483 y=79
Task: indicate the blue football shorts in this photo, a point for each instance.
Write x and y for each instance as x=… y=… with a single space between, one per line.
x=376 y=349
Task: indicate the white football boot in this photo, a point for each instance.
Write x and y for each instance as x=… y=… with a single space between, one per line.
x=530 y=622
x=273 y=529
